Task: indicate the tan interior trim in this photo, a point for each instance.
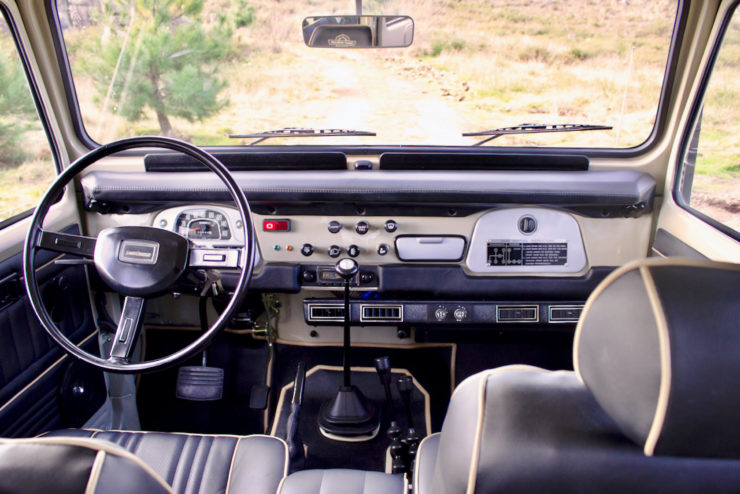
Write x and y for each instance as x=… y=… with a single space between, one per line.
x=46 y=371
x=105 y=446
x=413 y=346
x=92 y=483
x=316 y=368
x=619 y=272
x=661 y=407
x=415 y=482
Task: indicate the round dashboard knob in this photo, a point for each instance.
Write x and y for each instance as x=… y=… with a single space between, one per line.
x=391 y=226
x=362 y=227
x=440 y=314
x=335 y=251
x=353 y=251
x=307 y=249
x=334 y=226
x=460 y=314
x=346 y=268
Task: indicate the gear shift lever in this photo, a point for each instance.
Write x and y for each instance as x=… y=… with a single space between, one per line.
x=346 y=268
x=348 y=416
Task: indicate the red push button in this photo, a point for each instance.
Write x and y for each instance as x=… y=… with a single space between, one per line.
x=276 y=225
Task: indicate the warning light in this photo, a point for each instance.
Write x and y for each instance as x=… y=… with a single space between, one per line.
x=276 y=225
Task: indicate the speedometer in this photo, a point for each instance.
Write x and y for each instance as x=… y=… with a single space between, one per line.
x=203 y=224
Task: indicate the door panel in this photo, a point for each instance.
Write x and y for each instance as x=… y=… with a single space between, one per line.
x=32 y=367
x=700 y=213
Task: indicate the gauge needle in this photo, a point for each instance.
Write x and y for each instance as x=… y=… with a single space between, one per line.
x=194 y=229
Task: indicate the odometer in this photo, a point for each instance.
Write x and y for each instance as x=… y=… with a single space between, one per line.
x=203 y=224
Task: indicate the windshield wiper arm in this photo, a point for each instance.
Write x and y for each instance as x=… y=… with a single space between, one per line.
x=299 y=132
x=533 y=129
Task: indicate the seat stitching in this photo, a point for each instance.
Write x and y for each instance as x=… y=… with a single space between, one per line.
x=231 y=465
x=205 y=444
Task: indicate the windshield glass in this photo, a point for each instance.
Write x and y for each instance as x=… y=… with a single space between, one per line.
x=203 y=70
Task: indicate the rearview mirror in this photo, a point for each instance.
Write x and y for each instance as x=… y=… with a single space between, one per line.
x=358 y=31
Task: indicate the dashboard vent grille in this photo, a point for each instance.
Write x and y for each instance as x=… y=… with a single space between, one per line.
x=565 y=313
x=325 y=312
x=389 y=313
x=517 y=313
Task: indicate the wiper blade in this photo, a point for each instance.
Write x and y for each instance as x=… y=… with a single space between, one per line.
x=299 y=132
x=533 y=129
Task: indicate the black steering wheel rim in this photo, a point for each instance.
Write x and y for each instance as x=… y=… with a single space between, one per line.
x=55 y=191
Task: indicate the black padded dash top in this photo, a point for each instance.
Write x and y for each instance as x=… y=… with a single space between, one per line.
x=653 y=347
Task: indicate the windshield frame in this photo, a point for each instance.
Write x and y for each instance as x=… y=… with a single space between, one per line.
x=667 y=87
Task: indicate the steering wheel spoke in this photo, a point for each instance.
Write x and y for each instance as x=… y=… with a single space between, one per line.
x=129 y=327
x=66 y=243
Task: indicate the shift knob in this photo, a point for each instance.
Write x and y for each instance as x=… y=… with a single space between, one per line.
x=347 y=268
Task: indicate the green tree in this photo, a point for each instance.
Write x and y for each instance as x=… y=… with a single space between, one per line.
x=158 y=55
x=17 y=111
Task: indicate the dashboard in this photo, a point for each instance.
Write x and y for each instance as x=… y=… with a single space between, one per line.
x=436 y=249
x=445 y=257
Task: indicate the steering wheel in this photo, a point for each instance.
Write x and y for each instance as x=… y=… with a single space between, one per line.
x=137 y=261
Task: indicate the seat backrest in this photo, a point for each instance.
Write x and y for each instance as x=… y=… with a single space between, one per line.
x=659 y=348
x=651 y=406
x=74 y=465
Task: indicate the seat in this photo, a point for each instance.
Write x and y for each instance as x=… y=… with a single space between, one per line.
x=196 y=463
x=74 y=465
x=342 y=481
x=651 y=407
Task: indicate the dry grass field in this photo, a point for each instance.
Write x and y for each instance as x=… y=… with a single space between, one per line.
x=473 y=66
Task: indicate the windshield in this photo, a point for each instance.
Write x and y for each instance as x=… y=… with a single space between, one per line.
x=205 y=70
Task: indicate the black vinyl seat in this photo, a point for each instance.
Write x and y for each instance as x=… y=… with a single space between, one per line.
x=652 y=405
x=199 y=463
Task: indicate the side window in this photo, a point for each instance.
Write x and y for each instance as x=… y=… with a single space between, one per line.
x=710 y=183
x=26 y=163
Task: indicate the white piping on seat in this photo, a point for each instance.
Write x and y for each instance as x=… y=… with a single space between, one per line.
x=94 y=445
x=92 y=483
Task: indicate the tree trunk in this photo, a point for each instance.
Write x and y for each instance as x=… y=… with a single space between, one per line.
x=164 y=124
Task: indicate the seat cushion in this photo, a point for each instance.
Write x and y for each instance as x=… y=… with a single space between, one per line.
x=72 y=465
x=341 y=481
x=193 y=463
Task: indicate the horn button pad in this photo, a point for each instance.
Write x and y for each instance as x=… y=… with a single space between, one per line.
x=140 y=260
